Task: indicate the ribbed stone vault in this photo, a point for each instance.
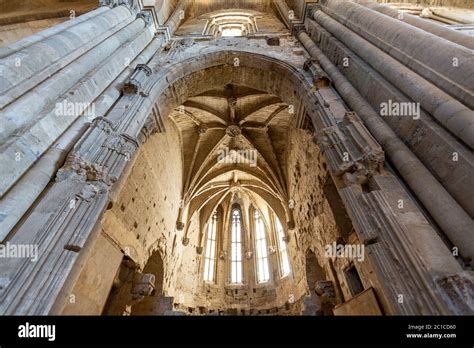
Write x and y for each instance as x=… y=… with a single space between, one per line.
x=218 y=124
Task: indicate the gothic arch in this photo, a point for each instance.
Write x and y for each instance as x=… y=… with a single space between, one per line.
x=136 y=180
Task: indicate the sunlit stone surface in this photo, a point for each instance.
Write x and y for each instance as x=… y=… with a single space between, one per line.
x=236 y=157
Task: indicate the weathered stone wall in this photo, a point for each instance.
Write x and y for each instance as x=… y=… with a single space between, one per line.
x=143 y=218
x=141 y=222
x=314 y=217
x=113 y=226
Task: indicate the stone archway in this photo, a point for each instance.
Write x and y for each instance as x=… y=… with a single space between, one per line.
x=183 y=247
x=85 y=188
x=69 y=218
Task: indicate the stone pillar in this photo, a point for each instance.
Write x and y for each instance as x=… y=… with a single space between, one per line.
x=366 y=80
x=454 y=221
x=426 y=25
x=441 y=62
x=19 y=199
x=53 y=78
x=80 y=194
x=32 y=60
x=438 y=103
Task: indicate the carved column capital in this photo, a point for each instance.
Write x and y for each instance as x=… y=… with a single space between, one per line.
x=135 y=5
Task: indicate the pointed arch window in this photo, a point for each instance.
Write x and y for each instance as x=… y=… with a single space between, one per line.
x=210 y=256
x=284 y=259
x=263 y=273
x=236 y=246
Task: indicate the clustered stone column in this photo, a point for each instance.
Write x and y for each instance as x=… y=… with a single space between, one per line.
x=447 y=205
x=49 y=80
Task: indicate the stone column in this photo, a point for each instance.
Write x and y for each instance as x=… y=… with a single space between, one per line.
x=441 y=62
x=426 y=25
x=52 y=79
x=284 y=11
x=452 y=114
x=418 y=133
x=65 y=223
x=454 y=221
x=32 y=60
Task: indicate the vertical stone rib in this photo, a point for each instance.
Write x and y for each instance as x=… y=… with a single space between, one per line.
x=284 y=11
x=452 y=114
x=178 y=15
x=30 y=40
x=429 y=26
x=37 y=62
x=391 y=254
x=35 y=140
x=420 y=134
x=426 y=54
x=454 y=221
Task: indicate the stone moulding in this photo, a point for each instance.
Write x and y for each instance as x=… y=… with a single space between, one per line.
x=61 y=229
x=349 y=145
x=398 y=267
x=67 y=216
x=136 y=82
x=320 y=78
